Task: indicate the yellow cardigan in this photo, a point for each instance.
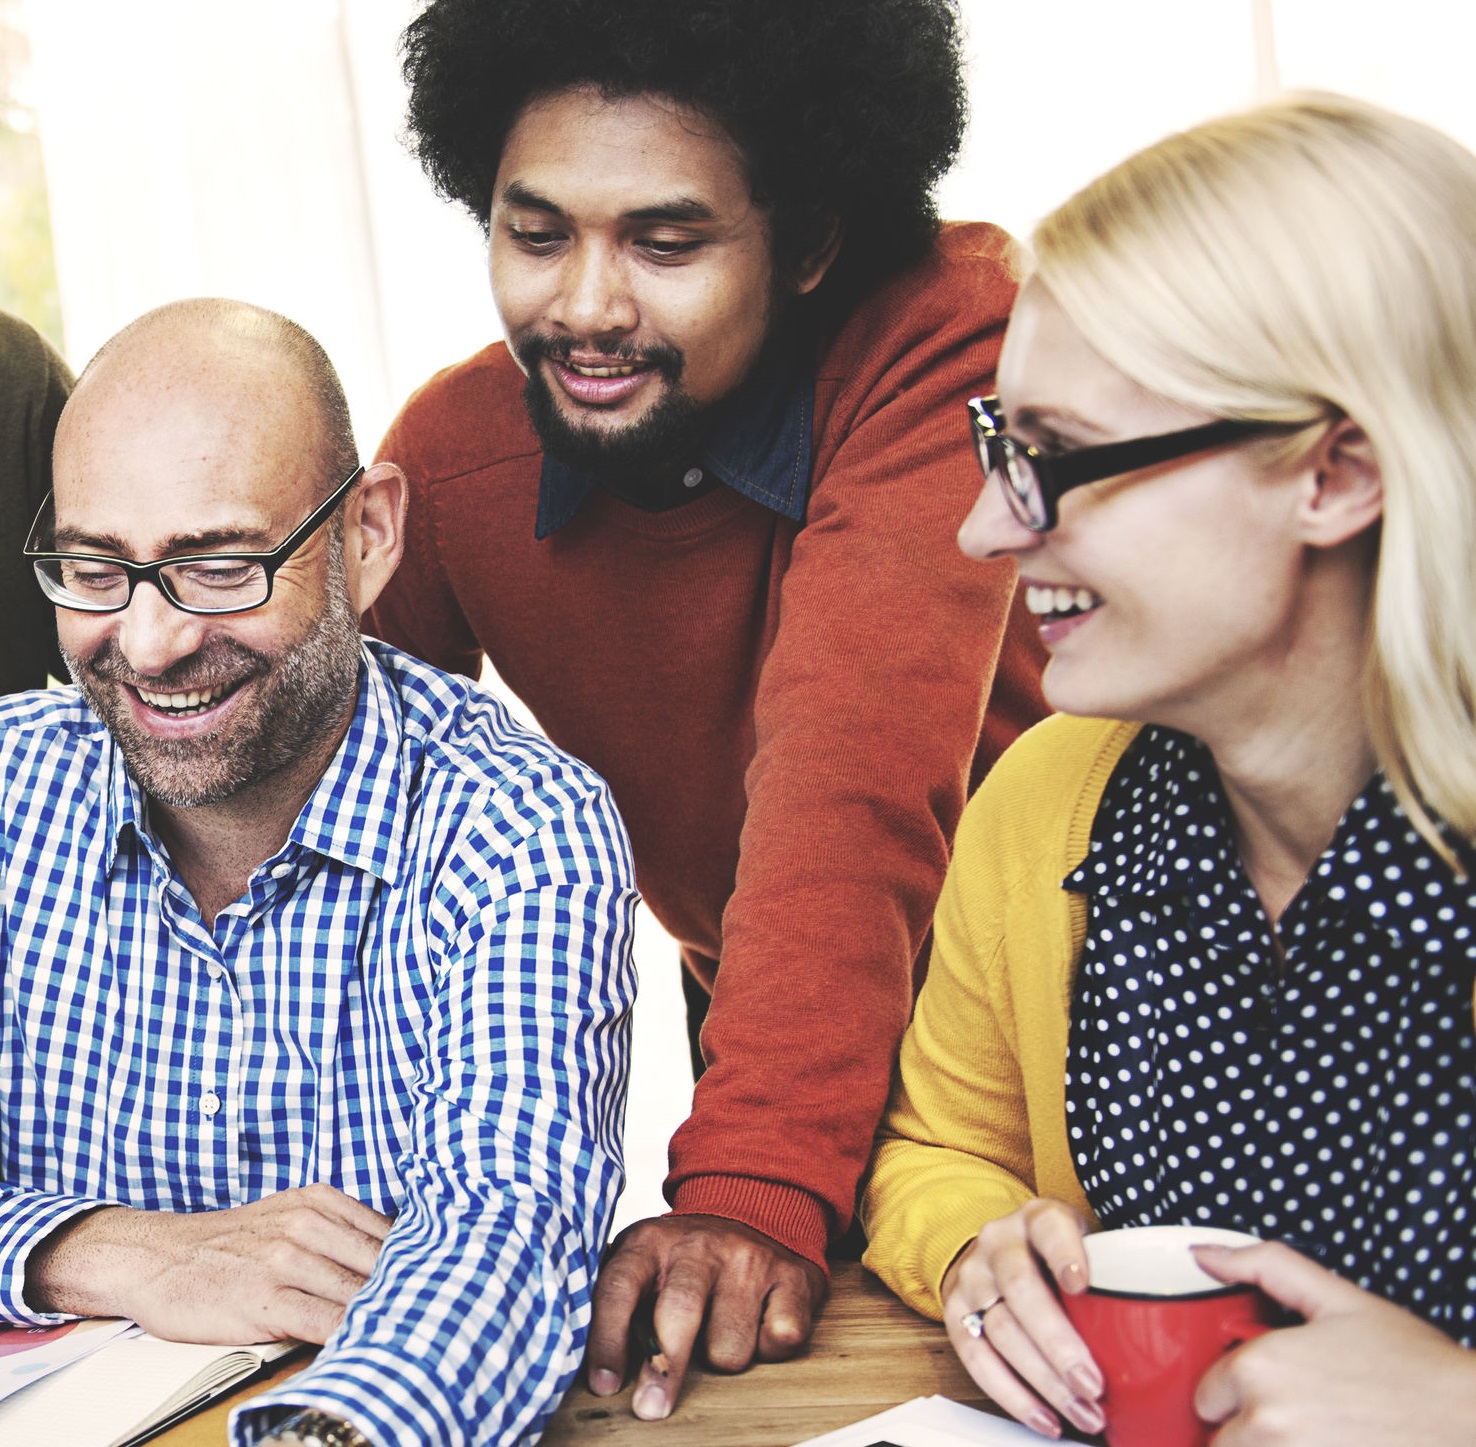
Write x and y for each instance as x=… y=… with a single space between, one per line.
x=976 y=1124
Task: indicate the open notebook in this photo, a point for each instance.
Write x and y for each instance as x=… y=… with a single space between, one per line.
x=930 y=1422
x=127 y=1389
x=28 y=1353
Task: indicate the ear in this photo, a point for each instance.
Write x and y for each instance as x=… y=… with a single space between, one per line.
x=812 y=268
x=374 y=533
x=1345 y=493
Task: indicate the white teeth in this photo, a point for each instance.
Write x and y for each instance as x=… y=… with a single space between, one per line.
x=181 y=702
x=1044 y=601
x=601 y=371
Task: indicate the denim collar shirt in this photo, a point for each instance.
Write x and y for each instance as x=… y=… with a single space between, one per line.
x=422 y=999
x=760 y=449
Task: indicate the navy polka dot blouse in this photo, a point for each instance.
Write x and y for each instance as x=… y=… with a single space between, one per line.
x=1328 y=1100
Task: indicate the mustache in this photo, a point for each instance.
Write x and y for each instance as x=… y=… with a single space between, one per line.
x=223 y=660
x=533 y=347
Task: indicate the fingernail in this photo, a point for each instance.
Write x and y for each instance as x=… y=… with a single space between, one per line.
x=650 y=1403
x=1086 y=1381
x=1044 y=1422
x=1071 y=1277
x=1086 y=1415
x=604 y=1383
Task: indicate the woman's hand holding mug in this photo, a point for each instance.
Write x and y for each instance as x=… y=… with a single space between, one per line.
x=1361 y=1372
x=1121 y=1342
x=1006 y=1321
x=1177 y=1357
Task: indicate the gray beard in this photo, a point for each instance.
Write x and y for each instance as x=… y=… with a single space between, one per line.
x=302 y=699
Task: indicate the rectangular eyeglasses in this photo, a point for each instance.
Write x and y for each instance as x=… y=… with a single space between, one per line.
x=1034 y=482
x=194 y=583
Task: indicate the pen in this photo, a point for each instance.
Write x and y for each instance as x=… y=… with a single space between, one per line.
x=645 y=1326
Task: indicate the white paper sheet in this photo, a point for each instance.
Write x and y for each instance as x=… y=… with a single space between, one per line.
x=930 y=1422
x=107 y=1397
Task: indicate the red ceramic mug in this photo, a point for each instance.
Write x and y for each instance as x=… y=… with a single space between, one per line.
x=1155 y=1323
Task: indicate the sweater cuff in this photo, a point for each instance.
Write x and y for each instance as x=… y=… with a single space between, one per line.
x=791 y=1216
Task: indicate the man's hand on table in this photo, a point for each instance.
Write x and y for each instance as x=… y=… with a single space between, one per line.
x=284 y=1266
x=758 y=1298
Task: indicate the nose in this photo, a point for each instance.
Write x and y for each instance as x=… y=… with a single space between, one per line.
x=154 y=635
x=595 y=298
x=991 y=529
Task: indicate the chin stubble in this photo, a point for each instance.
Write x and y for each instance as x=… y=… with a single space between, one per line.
x=303 y=695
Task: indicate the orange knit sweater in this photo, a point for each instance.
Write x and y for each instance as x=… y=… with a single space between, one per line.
x=790 y=716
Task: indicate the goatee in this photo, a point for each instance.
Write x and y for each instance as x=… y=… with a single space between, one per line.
x=668 y=437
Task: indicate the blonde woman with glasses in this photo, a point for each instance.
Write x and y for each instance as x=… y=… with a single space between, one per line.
x=1206 y=951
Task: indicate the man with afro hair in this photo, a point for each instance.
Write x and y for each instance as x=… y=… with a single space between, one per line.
x=699 y=512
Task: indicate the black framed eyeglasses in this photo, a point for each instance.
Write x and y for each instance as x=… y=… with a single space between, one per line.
x=1034 y=482
x=195 y=583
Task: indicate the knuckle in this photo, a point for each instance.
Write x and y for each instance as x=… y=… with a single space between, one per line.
x=280 y=1254
x=684 y=1298
x=785 y=1337
x=1013 y=1269
x=293 y=1218
x=1241 y=1368
x=640 y=1235
x=744 y=1259
x=1270 y=1423
x=1275 y=1253
x=633 y=1254
x=729 y=1356
x=623 y=1277
x=1044 y=1212
x=992 y=1233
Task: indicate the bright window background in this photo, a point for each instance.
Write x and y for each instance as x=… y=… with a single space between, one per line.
x=252 y=151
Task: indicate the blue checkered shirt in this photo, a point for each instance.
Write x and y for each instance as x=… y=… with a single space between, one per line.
x=423 y=998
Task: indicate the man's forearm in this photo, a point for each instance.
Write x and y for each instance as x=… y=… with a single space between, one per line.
x=76 y=1270
x=28 y=1220
x=283 y=1266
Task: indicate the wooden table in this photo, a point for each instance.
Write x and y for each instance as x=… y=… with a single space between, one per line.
x=869 y=1353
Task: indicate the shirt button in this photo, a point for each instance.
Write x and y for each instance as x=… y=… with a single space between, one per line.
x=209 y=1103
x=691 y=477
x=214 y=971
x=281 y=871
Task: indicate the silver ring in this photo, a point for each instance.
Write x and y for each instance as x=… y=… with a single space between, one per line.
x=973 y=1322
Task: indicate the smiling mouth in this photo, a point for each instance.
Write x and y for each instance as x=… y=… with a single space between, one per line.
x=624 y=370
x=603 y=383
x=1052 y=604
x=185 y=704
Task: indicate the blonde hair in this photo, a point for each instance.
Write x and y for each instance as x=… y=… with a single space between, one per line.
x=1314 y=257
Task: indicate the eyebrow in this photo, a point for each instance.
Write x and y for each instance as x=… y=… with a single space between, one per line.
x=684 y=208
x=517 y=194
x=679 y=208
x=1058 y=422
x=182 y=545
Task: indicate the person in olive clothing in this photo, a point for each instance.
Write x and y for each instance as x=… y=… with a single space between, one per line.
x=34 y=382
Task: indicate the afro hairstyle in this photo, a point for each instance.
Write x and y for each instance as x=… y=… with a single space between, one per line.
x=848 y=110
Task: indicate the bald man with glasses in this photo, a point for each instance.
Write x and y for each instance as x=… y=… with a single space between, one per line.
x=314 y=968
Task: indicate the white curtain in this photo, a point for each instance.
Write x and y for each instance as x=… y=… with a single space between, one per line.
x=253 y=150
